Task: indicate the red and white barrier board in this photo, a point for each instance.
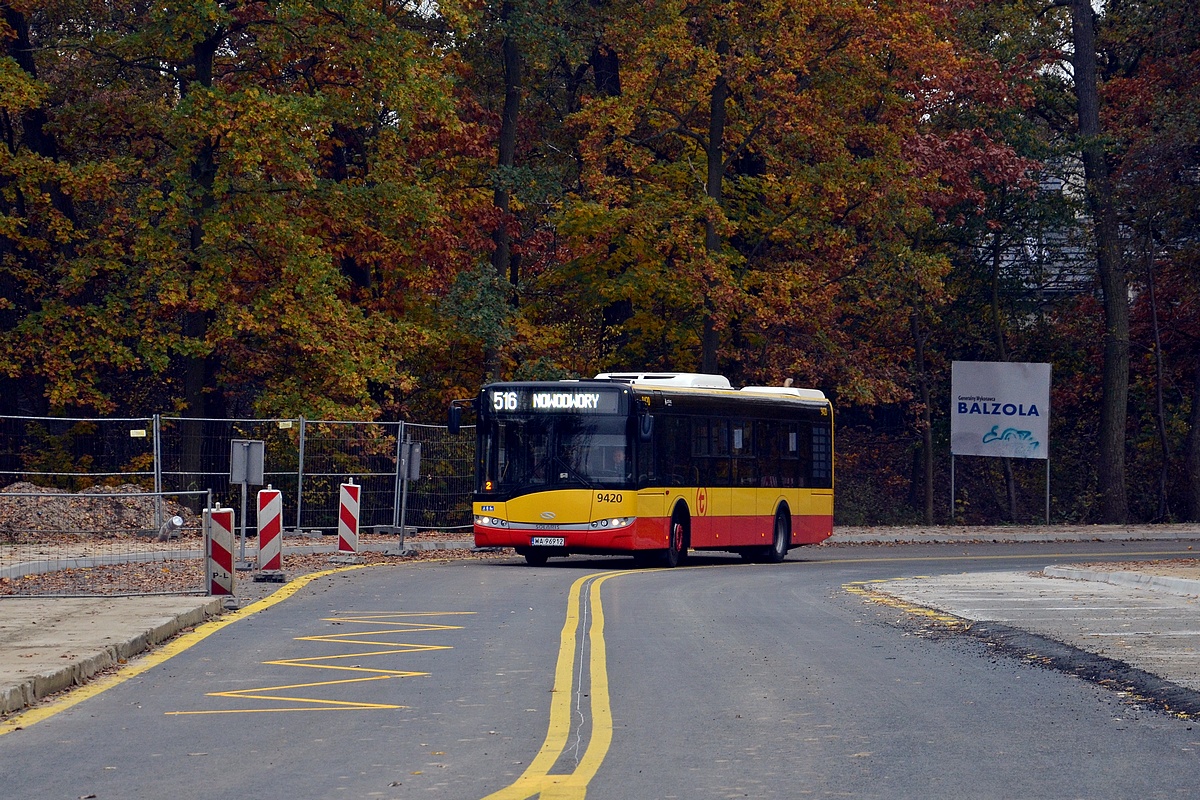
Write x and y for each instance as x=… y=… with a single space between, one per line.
x=270 y=530
x=218 y=527
x=348 y=518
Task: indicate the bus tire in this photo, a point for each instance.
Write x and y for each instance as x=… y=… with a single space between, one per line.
x=781 y=539
x=534 y=558
x=677 y=543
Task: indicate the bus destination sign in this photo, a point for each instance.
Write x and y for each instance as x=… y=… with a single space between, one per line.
x=578 y=401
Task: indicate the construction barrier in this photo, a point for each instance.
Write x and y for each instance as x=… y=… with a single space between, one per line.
x=270 y=530
x=218 y=536
x=348 y=506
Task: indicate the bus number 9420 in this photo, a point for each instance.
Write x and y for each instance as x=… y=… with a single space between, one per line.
x=607 y=497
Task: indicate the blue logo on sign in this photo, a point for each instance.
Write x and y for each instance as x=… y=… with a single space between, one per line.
x=487 y=508
x=1009 y=435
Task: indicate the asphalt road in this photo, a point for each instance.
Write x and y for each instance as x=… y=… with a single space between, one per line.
x=585 y=677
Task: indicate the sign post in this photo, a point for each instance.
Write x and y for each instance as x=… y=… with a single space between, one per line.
x=246 y=457
x=410 y=470
x=1000 y=409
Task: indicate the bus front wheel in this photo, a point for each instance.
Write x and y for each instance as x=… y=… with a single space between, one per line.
x=677 y=544
x=676 y=550
x=534 y=558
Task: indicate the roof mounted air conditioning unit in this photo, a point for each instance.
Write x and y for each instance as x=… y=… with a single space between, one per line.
x=694 y=380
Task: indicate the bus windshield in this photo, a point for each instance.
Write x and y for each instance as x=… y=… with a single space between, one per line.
x=523 y=453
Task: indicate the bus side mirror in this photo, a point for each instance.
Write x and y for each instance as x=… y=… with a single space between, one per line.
x=645 y=427
x=454 y=420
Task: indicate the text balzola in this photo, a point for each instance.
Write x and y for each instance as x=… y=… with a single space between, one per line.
x=998 y=409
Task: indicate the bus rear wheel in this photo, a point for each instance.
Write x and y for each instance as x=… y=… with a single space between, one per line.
x=779 y=542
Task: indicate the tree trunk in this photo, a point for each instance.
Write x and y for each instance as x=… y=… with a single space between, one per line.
x=200 y=396
x=714 y=189
x=1010 y=481
x=200 y=369
x=1160 y=413
x=926 y=421
x=1114 y=503
x=1192 y=450
x=502 y=258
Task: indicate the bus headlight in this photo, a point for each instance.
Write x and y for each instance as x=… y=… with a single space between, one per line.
x=491 y=522
x=614 y=522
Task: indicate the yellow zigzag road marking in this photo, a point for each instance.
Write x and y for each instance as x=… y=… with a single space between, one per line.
x=424 y=626
x=171 y=649
x=321 y=662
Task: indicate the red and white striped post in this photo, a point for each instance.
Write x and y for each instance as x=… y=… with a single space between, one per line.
x=348 y=518
x=218 y=534
x=270 y=530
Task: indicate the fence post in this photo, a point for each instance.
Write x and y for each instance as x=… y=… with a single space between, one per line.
x=300 y=476
x=156 y=455
x=400 y=471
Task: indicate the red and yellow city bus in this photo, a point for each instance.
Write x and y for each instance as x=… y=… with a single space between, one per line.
x=651 y=465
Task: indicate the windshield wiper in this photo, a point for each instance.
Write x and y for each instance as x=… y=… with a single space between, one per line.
x=571 y=471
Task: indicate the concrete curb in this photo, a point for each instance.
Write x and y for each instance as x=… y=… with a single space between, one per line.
x=81 y=669
x=1162 y=583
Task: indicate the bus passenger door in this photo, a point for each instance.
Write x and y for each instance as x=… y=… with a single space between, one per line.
x=746 y=527
x=714 y=496
x=710 y=525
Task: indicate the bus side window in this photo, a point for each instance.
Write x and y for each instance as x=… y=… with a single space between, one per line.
x=745 y=467
x=789 y=445
x=769 y=462
x=820 y=471
x=719 y=467
x=646 y=459
x=673 y=446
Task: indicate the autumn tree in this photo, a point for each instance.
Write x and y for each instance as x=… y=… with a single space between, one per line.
x=1153 y=117
x=755 y=189
x=282 y=196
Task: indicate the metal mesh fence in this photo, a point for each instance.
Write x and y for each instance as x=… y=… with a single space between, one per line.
x=306 y=460
x=441 y=499
x=337 y=451
x=73 y=454
x=54 y=542
x=195 y=455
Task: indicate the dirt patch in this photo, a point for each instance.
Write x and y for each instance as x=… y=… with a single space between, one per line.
x=54 y=512
x=1170 y=568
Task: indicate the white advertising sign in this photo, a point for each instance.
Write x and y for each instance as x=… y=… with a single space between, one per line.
x=1000 y=409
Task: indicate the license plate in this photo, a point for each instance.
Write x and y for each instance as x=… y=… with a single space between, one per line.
x=548 y=541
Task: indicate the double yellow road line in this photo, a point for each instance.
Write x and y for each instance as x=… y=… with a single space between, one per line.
x=566 y=706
